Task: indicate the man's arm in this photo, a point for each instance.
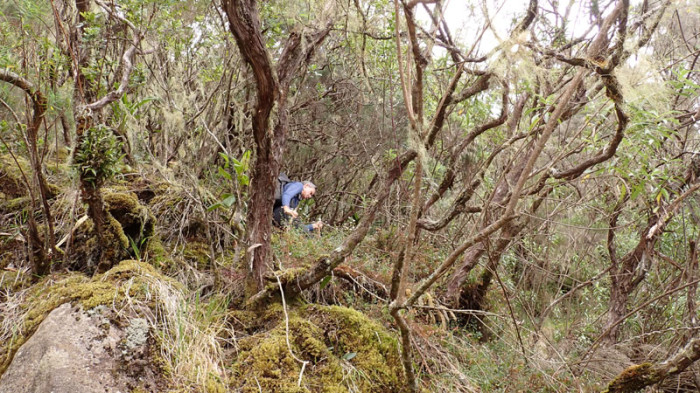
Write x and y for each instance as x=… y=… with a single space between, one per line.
x=316 y=225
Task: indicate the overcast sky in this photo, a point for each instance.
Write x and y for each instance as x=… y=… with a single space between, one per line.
x=466 y=18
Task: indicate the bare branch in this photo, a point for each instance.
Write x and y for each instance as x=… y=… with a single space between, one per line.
x=635 y=378
x=126 y=63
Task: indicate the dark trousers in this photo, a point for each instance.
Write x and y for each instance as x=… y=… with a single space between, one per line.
x=279 y=218
x=282 y=220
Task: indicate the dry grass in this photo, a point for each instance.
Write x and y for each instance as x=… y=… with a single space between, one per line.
x=191 y=333
x=12 y=315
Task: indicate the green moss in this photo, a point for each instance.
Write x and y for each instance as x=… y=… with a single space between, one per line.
x=632 y=379
x=285 y=276
x=119 y=198
x=156 y=254
x=197 y=254
x=128 y=280
x=13 y=281
x=15 y=205
x=268 y=362
x=53 y=190
x=377 y=352
x=243 y=320
x=136 y=220
x=11 y=181
x=343 y=349
x=114 y=247
x=214 y=385
x=115 y=243
x=129 y=227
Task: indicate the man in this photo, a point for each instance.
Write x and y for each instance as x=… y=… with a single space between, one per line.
x=285 y=208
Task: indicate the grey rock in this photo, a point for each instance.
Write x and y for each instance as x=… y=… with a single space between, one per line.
x=71 y=352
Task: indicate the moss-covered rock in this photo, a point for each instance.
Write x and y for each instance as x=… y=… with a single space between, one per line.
x=344 y=350
x=14 y=205
x=349 y=331
x=633 y=378
x=197 y=255
x=136 y=220
x=268 y=361
x=11 y=182
x=128 y=230
x=125 y=282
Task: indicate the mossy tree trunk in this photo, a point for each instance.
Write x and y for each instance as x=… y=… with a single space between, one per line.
x=637 y=377
x=85 y=91
x=89 y=106
x=92 y=196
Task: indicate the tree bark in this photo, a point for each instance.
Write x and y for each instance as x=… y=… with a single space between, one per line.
x=626 y=275
x=244 y=23
x=272 y=88
x=41 y=262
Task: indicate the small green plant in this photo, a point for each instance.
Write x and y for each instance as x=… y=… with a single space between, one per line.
x=242 y=180
x=137 y=247
x=97 y=156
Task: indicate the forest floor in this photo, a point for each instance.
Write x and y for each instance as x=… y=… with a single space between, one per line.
x=337 y=337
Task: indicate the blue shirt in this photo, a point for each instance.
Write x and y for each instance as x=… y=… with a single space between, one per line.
x=291 y=195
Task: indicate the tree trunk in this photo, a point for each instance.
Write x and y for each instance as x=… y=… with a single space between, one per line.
x=259 y=218
x=636 y=377
x=624 y=279
x=454 y=286
x=272 y=87
x=40 y=264
x=244 y=23
x=691 y=274
x=97 y=212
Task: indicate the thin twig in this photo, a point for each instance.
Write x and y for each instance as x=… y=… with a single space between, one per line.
x=487 y=243
x=286 y=322
x=591 y=351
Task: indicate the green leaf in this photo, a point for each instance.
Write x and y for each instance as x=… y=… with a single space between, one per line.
x=229 y=200
x=226 y=160
x=224 y=174
x=324 y=282
x=143 y=102
x=349 y=355
x=214 y=206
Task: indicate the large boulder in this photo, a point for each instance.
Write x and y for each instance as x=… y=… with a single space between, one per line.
x=77 y=351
